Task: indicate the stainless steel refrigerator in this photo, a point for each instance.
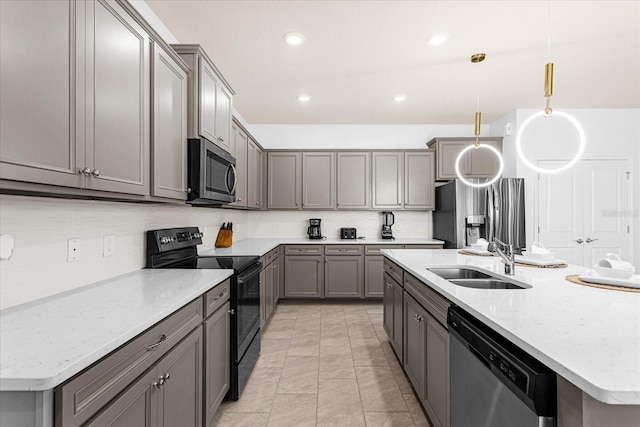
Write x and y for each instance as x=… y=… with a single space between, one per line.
x=464 y=214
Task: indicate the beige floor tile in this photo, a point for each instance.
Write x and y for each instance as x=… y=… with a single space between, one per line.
x=378 y=389
x=339 y=403
x=299 y=375
x=362 y=331
x=419 y=417
x=335 y=351
x=335 y=366
x=334 y=342
x=311 y=348
x=272 y=359
x=295 y=410
x=367 y=352
x=307 y=325
x=388 y=419
x=231 y=419
x=259 y=392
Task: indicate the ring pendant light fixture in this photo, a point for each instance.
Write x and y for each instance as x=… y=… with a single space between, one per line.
x=477 y=58
x=548 y=112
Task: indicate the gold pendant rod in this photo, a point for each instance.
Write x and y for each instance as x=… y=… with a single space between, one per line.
x=548 y=87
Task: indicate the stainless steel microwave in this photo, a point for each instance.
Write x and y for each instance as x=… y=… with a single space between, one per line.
x=212 y=175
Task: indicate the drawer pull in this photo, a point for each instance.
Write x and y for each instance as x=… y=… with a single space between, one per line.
x=418 y=318
x=217 y=297
x=163 y=338
x=389 y=285
x=162 y=380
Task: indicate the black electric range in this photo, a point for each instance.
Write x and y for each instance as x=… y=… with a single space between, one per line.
x=177 y=248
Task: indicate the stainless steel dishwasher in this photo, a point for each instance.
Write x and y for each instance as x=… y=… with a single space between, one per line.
x=493 y=382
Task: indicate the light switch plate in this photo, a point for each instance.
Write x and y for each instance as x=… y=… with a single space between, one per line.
x=108 y=245
x=73 y=250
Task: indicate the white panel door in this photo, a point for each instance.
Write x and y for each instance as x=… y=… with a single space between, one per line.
x=583 y=212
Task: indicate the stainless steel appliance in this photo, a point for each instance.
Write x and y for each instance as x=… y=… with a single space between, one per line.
x=177 y=248
x=314 y=229
x=387 y=221
x=493 y=382
x=348 y=233
x=463 y=213
x=212 y=175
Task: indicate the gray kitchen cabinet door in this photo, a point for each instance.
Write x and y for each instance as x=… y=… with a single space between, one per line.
x=447 y=152
x=398 y=320
x=117 y=118
x=180 y=397
x=277 y=279
x=269 y=285
x=482 y=162
x=208 y=100
x=353 y=181
x=263 y=297
x=318 y=180
x=42 y=141
x=217 y=330
x=414 y=343
x=223 y=117
x=259 y=160
x=437 y=395
x=169 y=147
x=387 y=176
x=137 y=406
x=254 y=175
x=373 y=276
x=387 y=305
x=419 y=180
x=304 y=276
x=284 y=179
x=343 y=276
x=240 y=143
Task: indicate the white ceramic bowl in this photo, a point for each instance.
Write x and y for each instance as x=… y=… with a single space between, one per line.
x=538 y=256
x=615 y=273
x=479 y=247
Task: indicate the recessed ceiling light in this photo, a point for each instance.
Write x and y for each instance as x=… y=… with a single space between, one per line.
x=293 y=39
x=304 y=98
x=400 y=98
x=437 y=39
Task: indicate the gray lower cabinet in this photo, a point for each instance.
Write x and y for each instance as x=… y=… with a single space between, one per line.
x=393 y=307
x=284 y=171
x=353 y=180
x=387 y=180
x=437 y=393
x=374 y=269
x=318 y=180
x=415 y=349
x=343 y=276
x=169 y=394
x=269 y=284
x=217 y=341
x=419 y=180
x=169 y=121
x=304 y=276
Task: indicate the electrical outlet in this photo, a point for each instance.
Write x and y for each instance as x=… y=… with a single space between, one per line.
x=108 y=245
x=73 y=250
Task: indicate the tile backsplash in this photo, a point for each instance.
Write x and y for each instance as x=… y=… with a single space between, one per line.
x=41 y=227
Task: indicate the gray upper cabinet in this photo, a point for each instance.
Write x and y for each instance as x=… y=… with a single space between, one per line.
x=169 y=117
x=117 y=118
x=353 y=180
x=55 y=118
x=318 y=180
x=387 y=176
x=255 y=199
x=210 y=98
x=284 y=171
x=240 y=143
x=92 y=130
x=419 y=180
x=475 y=164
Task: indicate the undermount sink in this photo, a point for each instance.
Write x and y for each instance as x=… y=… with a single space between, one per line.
x=473 y=279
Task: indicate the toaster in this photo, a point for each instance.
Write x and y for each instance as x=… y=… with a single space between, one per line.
x=348 y=233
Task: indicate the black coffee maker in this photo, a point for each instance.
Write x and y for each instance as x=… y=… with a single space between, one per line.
x=314 y=229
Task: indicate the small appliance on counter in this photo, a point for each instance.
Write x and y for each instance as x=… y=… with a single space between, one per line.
x=387 y=221
x=348 y=233
x=314 y=229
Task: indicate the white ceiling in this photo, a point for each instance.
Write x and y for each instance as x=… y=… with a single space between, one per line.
x=359 y=54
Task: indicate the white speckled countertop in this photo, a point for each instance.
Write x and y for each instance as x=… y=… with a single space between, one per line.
x=587 y=335
x=46 y=342
x=262 y=246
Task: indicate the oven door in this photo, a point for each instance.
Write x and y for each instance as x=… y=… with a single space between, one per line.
x=247 y=310
x=212 y=174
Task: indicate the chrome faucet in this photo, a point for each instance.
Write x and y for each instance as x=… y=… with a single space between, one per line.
x=507 y=254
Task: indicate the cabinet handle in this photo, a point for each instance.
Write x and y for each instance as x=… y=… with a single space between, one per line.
x=418 y=318
x=239 y=199
x=95 y=173
x=589 y=240
x=217 y=297
x=85 y=171
x=163 y=338
x=389 y=285
x=232 y=311
x=579 y=241
x=161 y=380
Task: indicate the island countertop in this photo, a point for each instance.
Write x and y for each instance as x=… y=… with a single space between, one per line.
x=587 y=335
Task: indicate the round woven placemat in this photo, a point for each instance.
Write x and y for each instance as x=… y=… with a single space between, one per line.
x=522 y=264
x=463 y=252
x=575 y=278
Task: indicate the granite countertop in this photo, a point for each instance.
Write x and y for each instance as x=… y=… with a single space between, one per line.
x=262 y=246
x=587 y=335
x=47 y=341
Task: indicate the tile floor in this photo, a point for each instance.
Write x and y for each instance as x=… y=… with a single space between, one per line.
x=325 y=364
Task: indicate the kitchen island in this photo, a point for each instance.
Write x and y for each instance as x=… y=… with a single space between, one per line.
x=590 y=337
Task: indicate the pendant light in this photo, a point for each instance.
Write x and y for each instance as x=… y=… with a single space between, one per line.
x=476 y=59
x=548 y=112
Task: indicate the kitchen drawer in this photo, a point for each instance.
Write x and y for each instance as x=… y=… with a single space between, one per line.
x=271 y=255
x=432 y=301
x=84 y=395
x=431 y=246
x=375 y=249
x=393 y=270
x=303 y=250
x=343 y=250
x=216 y=298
